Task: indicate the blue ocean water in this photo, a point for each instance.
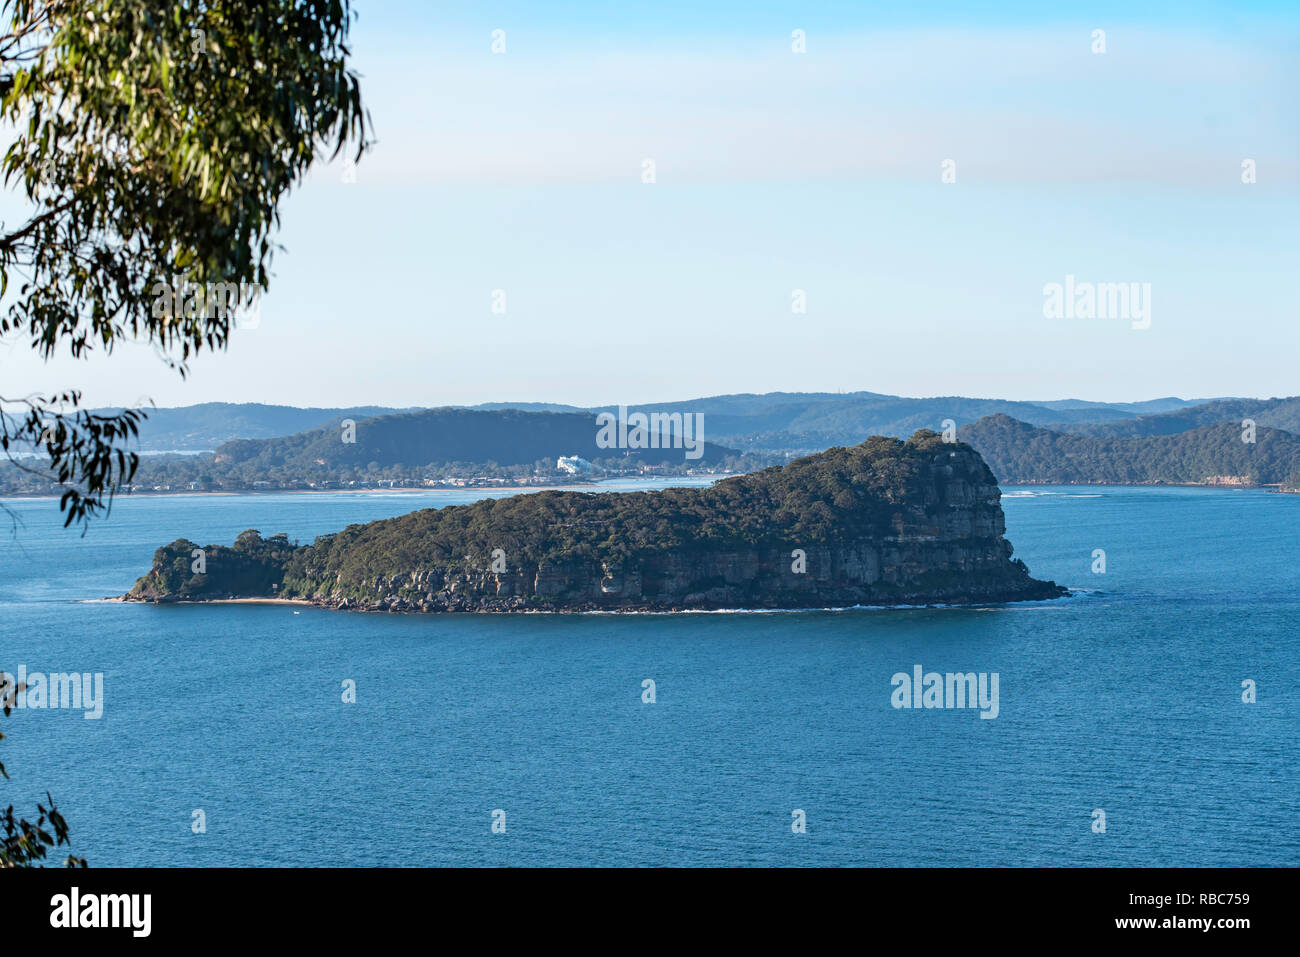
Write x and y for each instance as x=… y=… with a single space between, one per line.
x=1126 y=698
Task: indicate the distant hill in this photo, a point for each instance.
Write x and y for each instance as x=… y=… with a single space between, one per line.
x=774 y=421
x=503 y=437
x=524 y=407
x=1020 y=453
x=1275 y=413
x=194 y=428
x=811 y=421
x=1148 y=407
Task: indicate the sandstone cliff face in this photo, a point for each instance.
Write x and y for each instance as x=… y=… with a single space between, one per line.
x=940 y=543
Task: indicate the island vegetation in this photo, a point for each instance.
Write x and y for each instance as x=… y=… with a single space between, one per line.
x=886 y=521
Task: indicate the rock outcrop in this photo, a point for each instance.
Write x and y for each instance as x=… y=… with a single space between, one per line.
x=883 y=523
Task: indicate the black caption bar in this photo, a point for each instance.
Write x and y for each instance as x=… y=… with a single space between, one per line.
x=139 y=907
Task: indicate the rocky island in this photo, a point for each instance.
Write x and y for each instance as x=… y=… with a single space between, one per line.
x=886 y=522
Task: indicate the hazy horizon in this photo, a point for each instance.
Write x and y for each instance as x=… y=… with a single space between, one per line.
x=718 y=395
x=776 y=173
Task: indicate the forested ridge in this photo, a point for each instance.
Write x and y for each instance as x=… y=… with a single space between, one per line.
x=1019 y=453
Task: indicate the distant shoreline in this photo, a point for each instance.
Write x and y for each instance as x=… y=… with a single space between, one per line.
x=1265 y=487
x=250 y=493
x=586 y=486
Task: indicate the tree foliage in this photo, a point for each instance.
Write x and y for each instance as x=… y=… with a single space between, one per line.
x=22 y=843
x=153 y=142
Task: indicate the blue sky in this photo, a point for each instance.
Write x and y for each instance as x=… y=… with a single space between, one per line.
x=776 y=171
